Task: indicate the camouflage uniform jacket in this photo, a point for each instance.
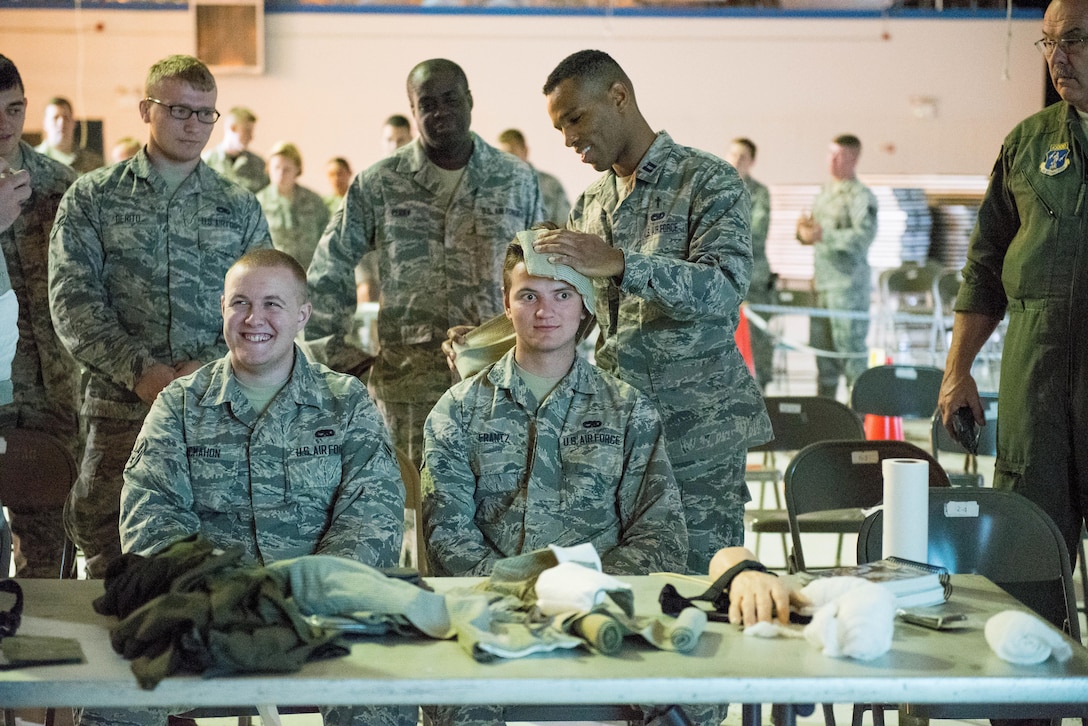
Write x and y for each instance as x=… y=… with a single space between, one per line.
x=846 y=212
x=556 y=204
x=668 y=325
x=314 y=474
x=82 y=161
x=588 y=466
x=296 y=224
x=135 y=276
x=760 y=225
x=438 y=266
x=247 y=169
x=44 y=375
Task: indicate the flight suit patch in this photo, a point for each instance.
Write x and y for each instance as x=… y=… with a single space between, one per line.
x=1056 y=160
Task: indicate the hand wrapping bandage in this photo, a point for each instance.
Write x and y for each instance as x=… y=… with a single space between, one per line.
x=1019 y=637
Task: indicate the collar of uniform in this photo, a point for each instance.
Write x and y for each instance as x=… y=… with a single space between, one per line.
x=649 y=168
x=140 y=164
x=302 y=386
x=579 y=378
x=479 y=162
x=653 y=161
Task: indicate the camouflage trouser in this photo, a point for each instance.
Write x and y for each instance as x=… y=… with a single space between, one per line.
x=41 y=531
x=333 y=716
x=841 y=335
x=94 y=506
x=405 y=423
x=41 y=541
x=714 y=497
x=700 y=715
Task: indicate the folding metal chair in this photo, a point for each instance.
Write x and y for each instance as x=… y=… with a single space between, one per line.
x=827 y=484
x=910 y=290
x=1012 y=542
x=897 y=390
x=37 y=472
x=796 y=421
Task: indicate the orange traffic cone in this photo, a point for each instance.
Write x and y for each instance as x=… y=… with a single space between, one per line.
x=879 y=428
x=744 y=342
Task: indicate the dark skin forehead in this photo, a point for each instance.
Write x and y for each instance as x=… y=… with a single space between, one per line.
x=428 y=76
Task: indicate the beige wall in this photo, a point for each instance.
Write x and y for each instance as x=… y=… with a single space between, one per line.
x=790 y=84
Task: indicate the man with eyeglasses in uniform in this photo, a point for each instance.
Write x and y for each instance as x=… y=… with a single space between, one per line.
x=137 y=258
x=1026 y=258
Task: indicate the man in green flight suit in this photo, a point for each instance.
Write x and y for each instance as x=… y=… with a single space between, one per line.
x=1026 y=258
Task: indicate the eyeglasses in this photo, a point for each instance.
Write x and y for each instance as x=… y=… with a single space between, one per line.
x=1069 y=46
x=181 y=113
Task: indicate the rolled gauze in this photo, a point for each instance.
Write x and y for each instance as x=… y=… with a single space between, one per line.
x=1019 y=637
x=857 y=624
x=604 y=633
x=906 y=509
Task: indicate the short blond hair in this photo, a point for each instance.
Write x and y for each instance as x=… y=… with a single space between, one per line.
x=289 y=151
x=183 y=68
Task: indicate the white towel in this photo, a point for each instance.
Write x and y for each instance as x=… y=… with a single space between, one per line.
x=570 y=587
x=823 y=590
x=1019 y=637
x=859 y=623
x=583 y=554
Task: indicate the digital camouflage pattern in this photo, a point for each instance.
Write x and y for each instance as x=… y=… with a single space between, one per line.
x=668 y=326
x=556 y=204
x=1026 y=258
x=847 y=214
x=44 y=376
x=504 y=477
x=247 y=169
x=347 y=503
x=314 y=474
x=437 y=267
x=80 y=160
x=296 y=224
x=135 y=278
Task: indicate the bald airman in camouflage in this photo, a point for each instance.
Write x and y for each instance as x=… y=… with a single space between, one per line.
x=136 y=263
x=265 y=449
x=439 y=212
x=262 y=447
x=665 y=236
x=44 y=377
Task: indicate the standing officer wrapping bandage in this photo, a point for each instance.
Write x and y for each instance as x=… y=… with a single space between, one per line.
x=664 y=235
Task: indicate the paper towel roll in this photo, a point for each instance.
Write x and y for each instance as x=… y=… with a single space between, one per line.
x=906 y=509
